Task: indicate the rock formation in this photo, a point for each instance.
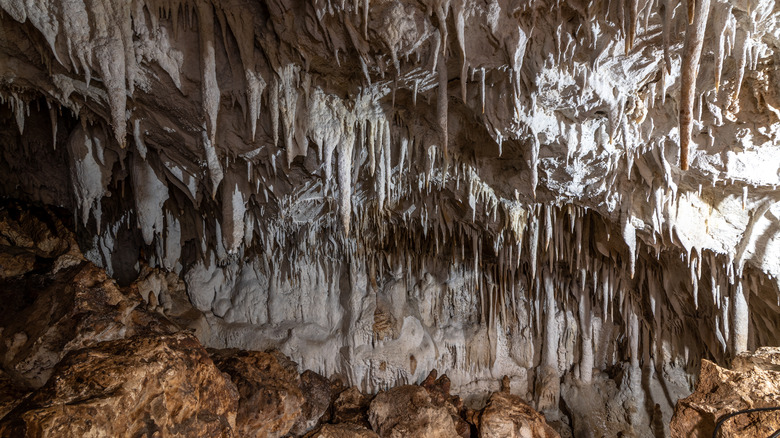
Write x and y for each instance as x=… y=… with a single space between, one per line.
x=579 y=195
x=722 y=395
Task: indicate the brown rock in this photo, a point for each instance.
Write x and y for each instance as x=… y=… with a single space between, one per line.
x=45 y=316
x=29 y=234
x=351 y=406
x=721 y=391
x=408 y=411
x=15 y=263
x=267 y=382
x=149 y=385
x=507 y=416
x=439 y=390
x=316 y=393
x=342 y=430
x=11 y=393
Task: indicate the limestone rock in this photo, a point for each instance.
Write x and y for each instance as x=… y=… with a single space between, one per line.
x=30 y=235
x=271 y=401
x=44 y=317
x=508 y=416
x=351 y=406
x=755 y=383
x=342 y=430
x=317 y=396
x=147 y=385
x=407 y=411
x=11 y=393
x=439 y=390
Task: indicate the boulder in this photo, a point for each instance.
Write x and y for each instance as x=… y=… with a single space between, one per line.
x=351 y=406
x=754 y=383
x=148 y=385
x=270 y=400
x=317 y=396
x=508 y=416
x=409 y=411
x=42 y=317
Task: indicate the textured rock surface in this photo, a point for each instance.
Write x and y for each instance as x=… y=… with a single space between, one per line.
x=342 y=430
x=144 y=385
x=507 y=415
x=270 y=401
x=316 y=391
x=382 y=188
x=409 y=411
x=754 y=383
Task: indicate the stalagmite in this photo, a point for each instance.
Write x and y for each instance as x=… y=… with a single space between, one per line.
x=740 y=319
x=694 y=39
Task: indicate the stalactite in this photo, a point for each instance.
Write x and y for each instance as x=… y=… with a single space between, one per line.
x=694 y=39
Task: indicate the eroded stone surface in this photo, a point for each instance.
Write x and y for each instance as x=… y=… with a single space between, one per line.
x=409 y=411
x=145 y=385
x=342 y=430
x=508 y=415
x=754 y=383
x=271 y=401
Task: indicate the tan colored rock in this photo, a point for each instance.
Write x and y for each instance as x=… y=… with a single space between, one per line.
x=408 y=411
x=351 y=406
x=439 y=390
x=317 y=395
x=149 y=385
x=754 y=384
x=267 y=382
x=44 y=317
x=508 y=416
x=342 y=430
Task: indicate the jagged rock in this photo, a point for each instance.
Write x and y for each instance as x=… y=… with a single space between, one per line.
x=271 y=401
x=407 y=411
x=11 y=393
x=317 y=397
x=439 y=390
x=45 y=317
x=754 y=383
x=342 y=430
x=147 y=385
x=508 y=416
x=351 y=406
x=30 y=234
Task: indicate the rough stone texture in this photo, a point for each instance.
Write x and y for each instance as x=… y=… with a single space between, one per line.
x=409 y=411
x=11 y=393
x=342 y=430
x=271 y=401
x=141 y=386
x=317 y=397
x=754 y=383
x=64 y=304
x=508 y=416
x=351 y=406
x=439 y=390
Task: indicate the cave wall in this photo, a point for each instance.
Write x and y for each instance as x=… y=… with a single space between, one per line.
x=380 y=188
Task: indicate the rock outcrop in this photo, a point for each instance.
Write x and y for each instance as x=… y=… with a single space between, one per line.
x=752 y=385
x=139 y=386
x=271 y=401
x=509 y=416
